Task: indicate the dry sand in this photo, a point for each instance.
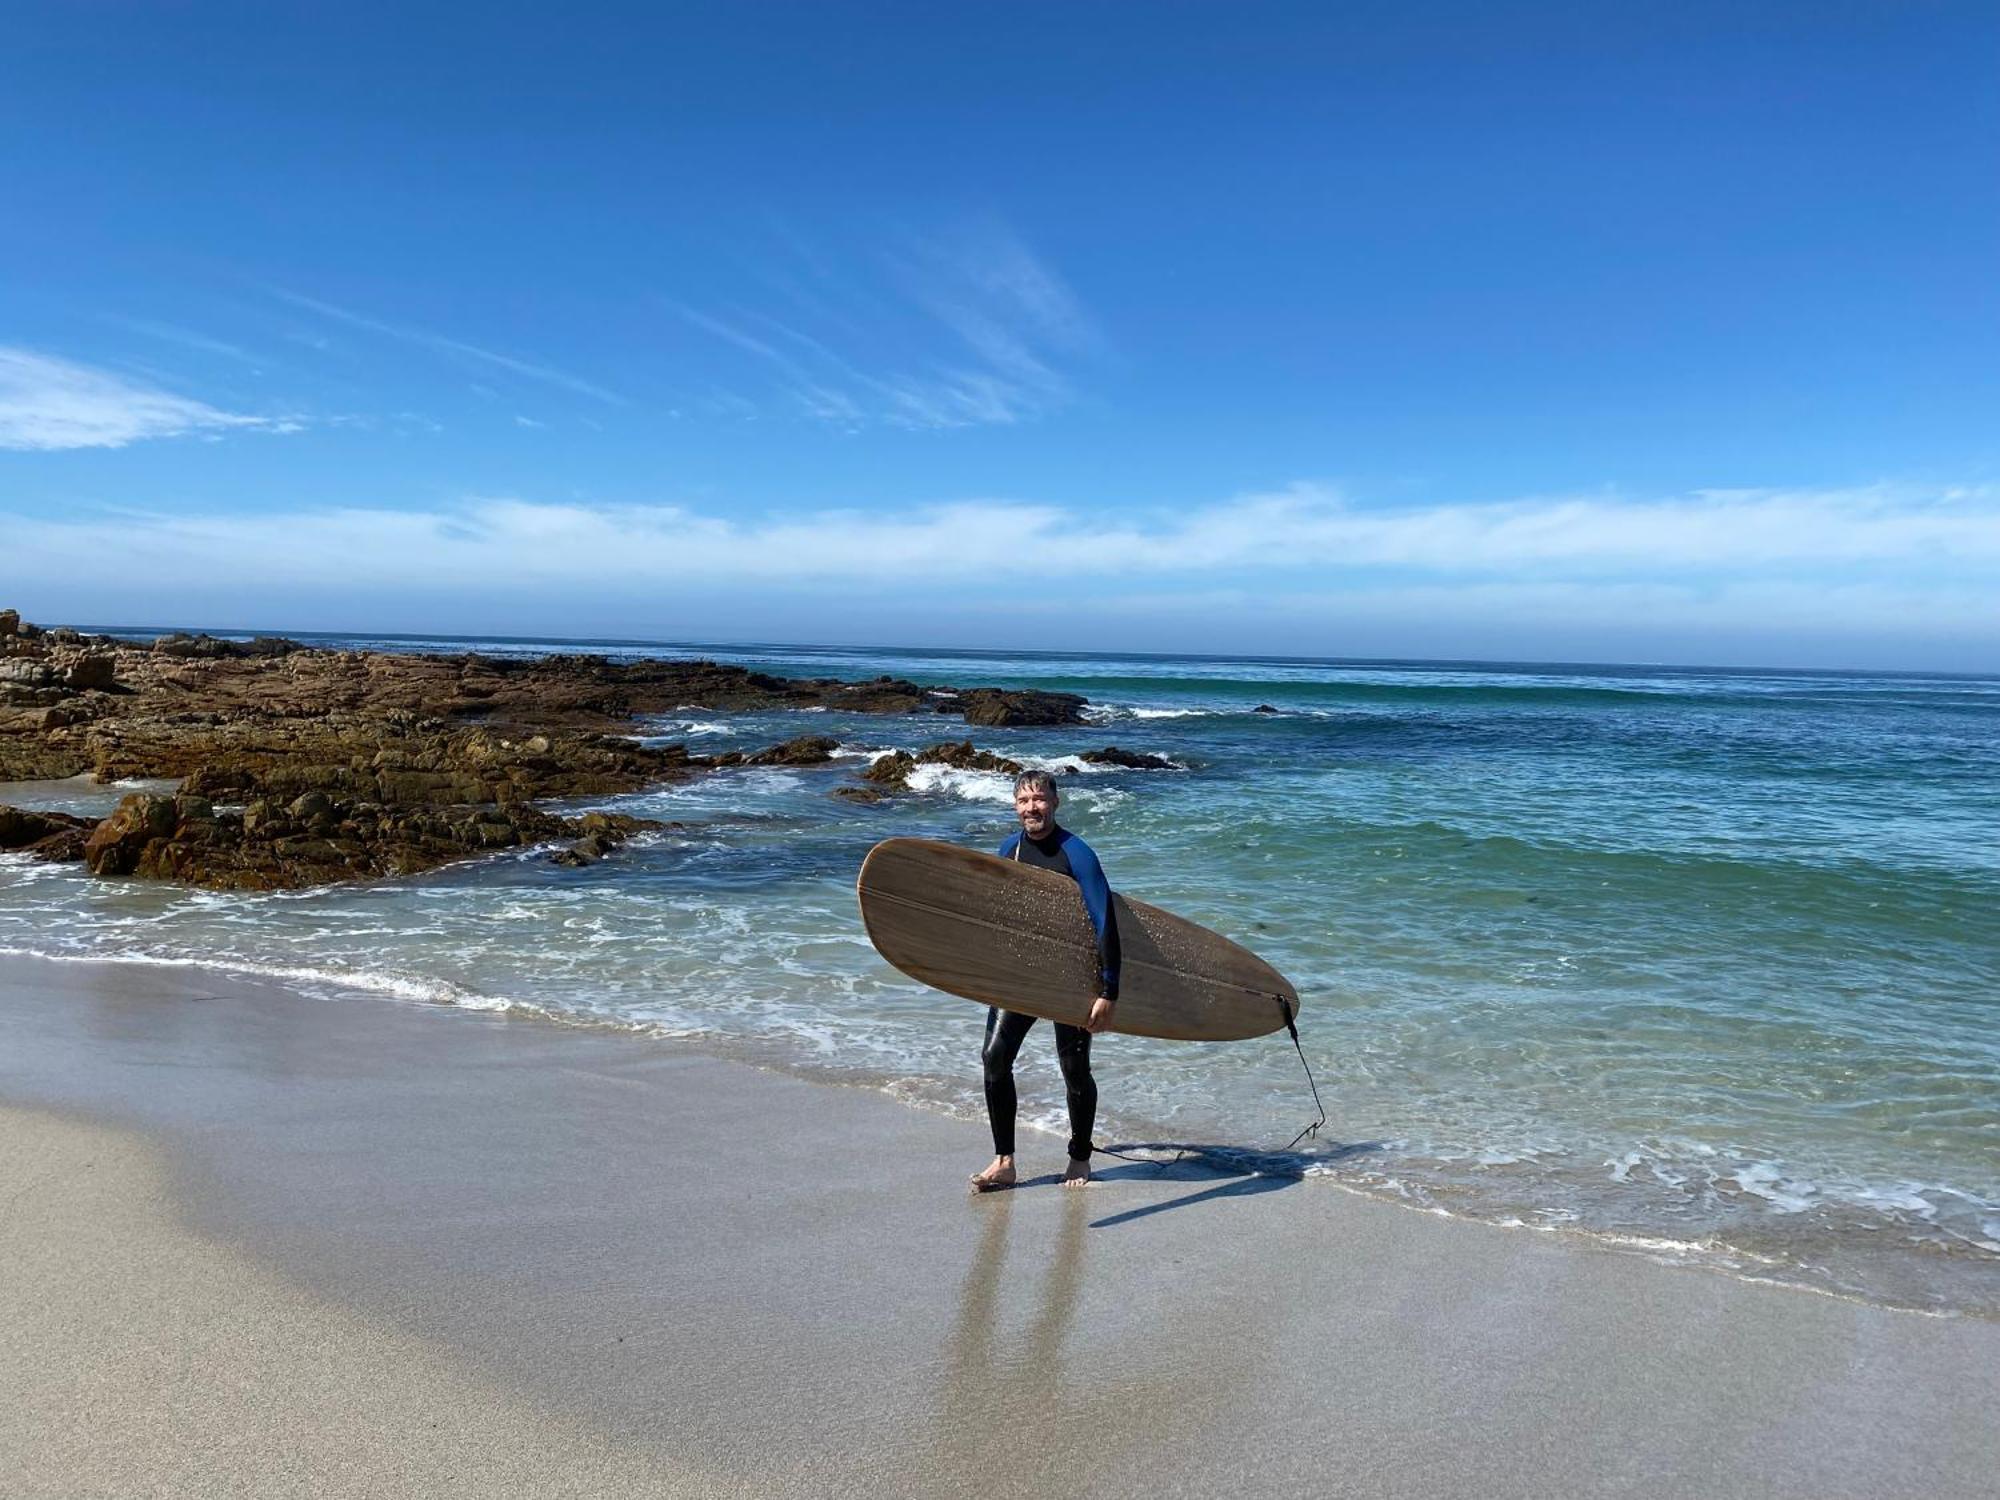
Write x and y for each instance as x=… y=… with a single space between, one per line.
x=253 y=1243
x=137 y=1358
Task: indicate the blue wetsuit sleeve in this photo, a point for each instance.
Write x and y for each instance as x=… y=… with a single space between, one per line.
x=1007 y=849
x=1103 y=920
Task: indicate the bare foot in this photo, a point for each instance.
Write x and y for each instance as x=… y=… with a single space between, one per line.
x=1078 y=1175
x=992 y=1179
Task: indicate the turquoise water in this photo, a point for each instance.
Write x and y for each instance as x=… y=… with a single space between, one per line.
x=1701 y=963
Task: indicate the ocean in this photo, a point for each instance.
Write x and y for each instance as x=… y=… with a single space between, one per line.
x=1700 y=964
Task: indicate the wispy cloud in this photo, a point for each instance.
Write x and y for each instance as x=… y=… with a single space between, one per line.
x=441 y=344
x=188 y=338
x=966 y=329
x=48 y=403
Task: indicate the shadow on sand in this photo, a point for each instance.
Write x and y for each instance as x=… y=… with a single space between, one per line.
x=1225 y=1171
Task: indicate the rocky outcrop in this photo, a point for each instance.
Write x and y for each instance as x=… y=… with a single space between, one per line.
x=312 y=840
x=960 y=755
x=91 y=671
x=46 y=835
x=404 y=764
x=185 y=701
x=603 y=834
x=892 y=770
x=181 y=644
x=806 y=750
x=116 y=845
x=1131 y=760
x=995 y=708
x=299 y=765
x=21 y=672
x=862 y=794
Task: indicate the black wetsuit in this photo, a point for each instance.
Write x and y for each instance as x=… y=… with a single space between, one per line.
x=1066 y=854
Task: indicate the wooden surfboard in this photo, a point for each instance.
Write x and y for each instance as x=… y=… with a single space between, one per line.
x=1011 y=935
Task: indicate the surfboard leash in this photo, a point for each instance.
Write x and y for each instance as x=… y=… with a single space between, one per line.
x=1313 y=1129
x=1285 y=1009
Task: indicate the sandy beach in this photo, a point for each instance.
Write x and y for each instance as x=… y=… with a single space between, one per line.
x=264 y=1244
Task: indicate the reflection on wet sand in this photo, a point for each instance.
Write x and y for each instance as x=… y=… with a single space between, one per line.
x=1004 y=1381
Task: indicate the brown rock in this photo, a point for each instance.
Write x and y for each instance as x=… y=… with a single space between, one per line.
x=587 y=850
x=805 y=750
x=21 y=828
x=218 y=781
x=93 y=671
x=603 y=833
x=181 y=644
x=997 y=708
x=189 y=647
x=963 y=757
x=1132 y=760
x=118 y=843
x=892 y=770
x=61 y=848
x=310 y=805
x=22 y=671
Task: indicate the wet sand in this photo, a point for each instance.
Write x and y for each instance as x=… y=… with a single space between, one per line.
x=255 y=1243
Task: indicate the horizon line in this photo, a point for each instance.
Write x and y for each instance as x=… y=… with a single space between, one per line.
x=246 y=632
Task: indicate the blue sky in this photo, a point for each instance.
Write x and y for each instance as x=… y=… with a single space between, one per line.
x=1609 y=331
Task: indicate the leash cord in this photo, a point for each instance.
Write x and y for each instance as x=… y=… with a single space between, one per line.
x=1285 y=1007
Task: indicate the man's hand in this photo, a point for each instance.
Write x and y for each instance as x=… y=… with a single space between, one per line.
x=1100 y=1015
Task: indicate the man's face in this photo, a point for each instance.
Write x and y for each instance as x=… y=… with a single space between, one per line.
x=1035 y=806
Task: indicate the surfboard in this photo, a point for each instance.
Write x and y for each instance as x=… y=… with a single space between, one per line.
x=1011 y=935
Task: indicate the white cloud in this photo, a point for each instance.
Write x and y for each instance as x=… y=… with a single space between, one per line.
x=1302 y=534
x=1883 y=575
x=1707 y=530
x=48 y=403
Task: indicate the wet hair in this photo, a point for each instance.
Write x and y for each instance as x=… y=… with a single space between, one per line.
x=1037 y=781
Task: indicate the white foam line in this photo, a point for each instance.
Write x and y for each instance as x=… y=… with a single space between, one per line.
x=421 y=992
x=425 y=991
x=1698 y=1255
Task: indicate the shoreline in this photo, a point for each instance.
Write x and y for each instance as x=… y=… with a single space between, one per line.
x=929 y=1096
x=692 y=1266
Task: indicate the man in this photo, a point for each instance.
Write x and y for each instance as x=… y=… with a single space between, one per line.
x=1042 y=843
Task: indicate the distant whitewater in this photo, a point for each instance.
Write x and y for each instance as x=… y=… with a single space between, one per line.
x=1702 y=963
